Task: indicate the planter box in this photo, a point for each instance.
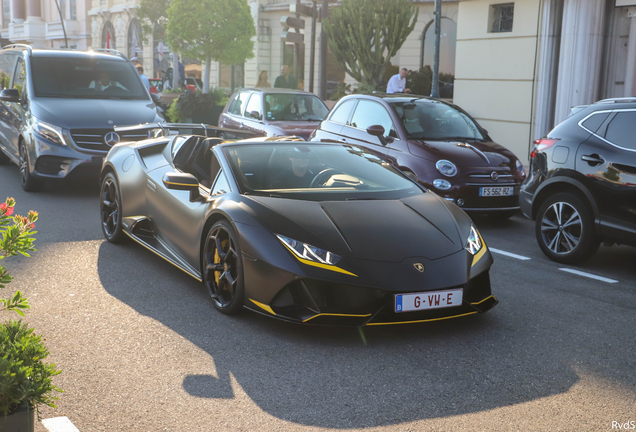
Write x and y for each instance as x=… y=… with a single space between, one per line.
x=168 y=98
x=23 y=420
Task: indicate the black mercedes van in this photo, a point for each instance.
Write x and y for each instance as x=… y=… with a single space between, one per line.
x=59 y=108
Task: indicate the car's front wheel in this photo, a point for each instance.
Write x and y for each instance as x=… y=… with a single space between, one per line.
x=565 y=229
x=110 y=209
x=28 y=181
x=223 y=268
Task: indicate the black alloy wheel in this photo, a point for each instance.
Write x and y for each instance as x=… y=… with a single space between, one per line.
x=223 y=268
x=28 y=181
x=110 y=209
x=564 y=229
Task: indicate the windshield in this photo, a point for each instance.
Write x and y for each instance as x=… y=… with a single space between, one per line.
x=290 y=106
x=86 y=78
x=316 y=172
x=432 y=120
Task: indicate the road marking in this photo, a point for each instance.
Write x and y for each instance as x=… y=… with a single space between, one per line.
x=519 y=257
x=59 y=424
x=589 y=275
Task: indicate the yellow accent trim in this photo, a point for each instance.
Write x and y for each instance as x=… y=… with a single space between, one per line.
x=419 y=321
x=481 y=252
x=181 y=184
x=161 y=256
x=480 y=302
x=332 y=314
x=321 y=265
x=263 y=306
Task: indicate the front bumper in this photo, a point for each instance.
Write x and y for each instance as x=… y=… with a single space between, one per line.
x=320 y=297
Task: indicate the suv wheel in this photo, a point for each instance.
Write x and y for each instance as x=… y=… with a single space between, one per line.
x=29 y=182
x=565 y=229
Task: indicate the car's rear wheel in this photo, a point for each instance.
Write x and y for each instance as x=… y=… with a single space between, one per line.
x=28 y=181
x=564 y=229
x=110 y=209
x=223 y=268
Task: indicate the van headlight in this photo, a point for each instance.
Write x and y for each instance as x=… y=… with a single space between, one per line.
x=48 y=131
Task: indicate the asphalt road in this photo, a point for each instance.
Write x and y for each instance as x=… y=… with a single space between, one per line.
x=142 y=348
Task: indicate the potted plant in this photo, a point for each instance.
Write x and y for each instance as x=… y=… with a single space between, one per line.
x=25 y=380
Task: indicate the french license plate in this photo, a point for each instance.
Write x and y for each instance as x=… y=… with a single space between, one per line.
x=496 y=191
x=428 y=300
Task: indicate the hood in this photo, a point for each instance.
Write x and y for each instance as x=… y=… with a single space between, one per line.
x=468 y=153
x=94 y=113
x=298 y=128
x=367 y=229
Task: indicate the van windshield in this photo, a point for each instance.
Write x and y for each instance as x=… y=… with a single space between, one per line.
x=86 y=78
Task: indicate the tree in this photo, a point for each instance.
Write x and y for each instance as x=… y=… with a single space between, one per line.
x=153 y=16
x=364 y=35
x=214 y=30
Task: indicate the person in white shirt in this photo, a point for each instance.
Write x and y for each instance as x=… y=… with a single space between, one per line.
x=397 y=83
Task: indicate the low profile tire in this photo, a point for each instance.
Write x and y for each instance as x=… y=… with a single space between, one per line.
x=564 y=228
x=223 y=268
x=110 y=209
x=28 y=181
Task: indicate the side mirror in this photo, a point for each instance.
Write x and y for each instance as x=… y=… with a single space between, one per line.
x=155 y=98
x=255 y=114
x=378 y=131
x=10 y=95
x=182 y=181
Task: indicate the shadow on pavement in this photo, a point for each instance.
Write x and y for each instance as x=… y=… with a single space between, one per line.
x=345 y=377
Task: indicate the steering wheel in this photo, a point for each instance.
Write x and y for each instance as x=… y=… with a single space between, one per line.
x=323 y=176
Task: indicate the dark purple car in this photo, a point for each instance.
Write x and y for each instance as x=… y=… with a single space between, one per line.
x=273 y=112
x=432 y=141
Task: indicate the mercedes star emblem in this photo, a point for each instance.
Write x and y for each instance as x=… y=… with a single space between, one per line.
x=494 y=176
x=112 y=138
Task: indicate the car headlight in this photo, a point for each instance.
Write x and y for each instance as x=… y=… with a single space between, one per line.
x=519 y=166
x=309 y=252
x=446 y=167
x=473 y=244
x=49 y=131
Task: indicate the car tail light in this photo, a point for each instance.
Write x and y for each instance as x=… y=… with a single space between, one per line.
x=541 y=145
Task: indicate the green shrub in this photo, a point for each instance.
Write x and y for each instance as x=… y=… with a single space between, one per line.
x=24 y=377
x=419 y=82
x=192 y=104
x=173 y=113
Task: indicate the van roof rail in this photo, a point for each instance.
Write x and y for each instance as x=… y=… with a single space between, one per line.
x=617 y=100
x=110 y=51
x=19 y=46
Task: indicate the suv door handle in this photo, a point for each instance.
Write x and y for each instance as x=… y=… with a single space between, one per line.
x=593 y=159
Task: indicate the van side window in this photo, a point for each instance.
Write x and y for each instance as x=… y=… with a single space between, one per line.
x=7 y=65
x=20 y=77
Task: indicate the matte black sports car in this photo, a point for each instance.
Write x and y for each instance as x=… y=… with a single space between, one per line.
x=309 y=233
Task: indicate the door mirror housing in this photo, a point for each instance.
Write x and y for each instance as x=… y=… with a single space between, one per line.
x=10 y=95
x=183 y=181
x=378 y=131
x=255 y=114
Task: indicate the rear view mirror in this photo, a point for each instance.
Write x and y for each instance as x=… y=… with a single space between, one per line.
x=10 y=95
x=378 y=131
x=182 y=181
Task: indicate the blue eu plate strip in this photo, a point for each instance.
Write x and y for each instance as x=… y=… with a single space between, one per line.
x=398 y=303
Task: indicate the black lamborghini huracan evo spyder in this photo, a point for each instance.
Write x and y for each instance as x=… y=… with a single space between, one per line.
x=315 y=233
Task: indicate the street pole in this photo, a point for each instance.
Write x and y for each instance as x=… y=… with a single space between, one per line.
x=312 y=48
x=438 y=27
x=323 y=51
